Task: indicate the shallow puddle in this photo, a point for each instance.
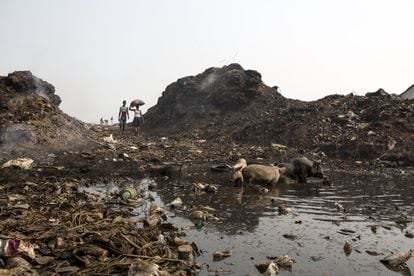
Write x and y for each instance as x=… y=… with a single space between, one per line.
x=313 y=235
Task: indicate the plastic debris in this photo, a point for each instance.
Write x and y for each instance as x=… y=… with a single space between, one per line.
x=272 y=269
x=219 y=255
x=141 y=267
x=282 y=261
x=22 y=163
x=129 y=193
x=176 y=203
x=109 y=139
x=14 y=247
x=283 y=210
x=397 y=258
x=339 y=207
x=185 y=252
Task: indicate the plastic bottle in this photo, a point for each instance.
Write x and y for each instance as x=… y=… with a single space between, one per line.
x=129 y=193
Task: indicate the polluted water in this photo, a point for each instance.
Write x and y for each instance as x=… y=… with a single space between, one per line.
x=246 y=228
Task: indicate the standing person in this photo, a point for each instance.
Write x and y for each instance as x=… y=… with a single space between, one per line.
x=123 y=116
x=138 y=118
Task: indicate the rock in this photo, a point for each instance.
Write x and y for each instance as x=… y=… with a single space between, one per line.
x=348 y=248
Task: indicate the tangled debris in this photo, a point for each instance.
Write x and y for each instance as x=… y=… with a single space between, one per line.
x=76 y=232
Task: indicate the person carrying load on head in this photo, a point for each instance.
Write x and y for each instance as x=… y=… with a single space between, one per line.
x=123 y=116
x=138 y=118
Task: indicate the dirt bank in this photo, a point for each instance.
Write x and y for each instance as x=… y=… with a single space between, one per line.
x=31 y=121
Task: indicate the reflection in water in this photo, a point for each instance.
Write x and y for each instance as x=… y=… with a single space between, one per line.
x=403 y=270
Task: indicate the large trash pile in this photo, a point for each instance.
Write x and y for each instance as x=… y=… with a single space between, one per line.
x=231 y=105
x=211 y=99
x=31 y=119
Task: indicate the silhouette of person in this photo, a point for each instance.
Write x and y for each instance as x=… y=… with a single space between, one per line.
x=138 y=118
x=123 y=116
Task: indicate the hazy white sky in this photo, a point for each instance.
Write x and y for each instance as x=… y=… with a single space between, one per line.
x=98 y=53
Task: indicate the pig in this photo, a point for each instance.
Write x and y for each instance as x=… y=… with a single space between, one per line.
x=257 y=173
x=240 y=164
x=237 y=176
x=299 y=169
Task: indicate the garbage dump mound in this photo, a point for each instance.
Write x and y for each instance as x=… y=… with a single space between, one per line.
x=233 y=105
x=30 y=118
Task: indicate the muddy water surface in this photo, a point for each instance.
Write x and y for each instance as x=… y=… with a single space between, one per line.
x=252 y=228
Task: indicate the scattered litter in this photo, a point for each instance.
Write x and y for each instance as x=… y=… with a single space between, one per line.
x=109 y=139
x=271 y=270
x=348 y=248
x=129 y=193
x=22 y=163
x=176 y=203
x=397 y=258
x=316 y=258
x=283 y=210
x=141 y=267
x=282 y=261
x=220 y=255
x=197 y=214
x=15 y=247
x=185 y=252
x=339 y=207
x=290 y=237
x=403 y=219
x=409 y=234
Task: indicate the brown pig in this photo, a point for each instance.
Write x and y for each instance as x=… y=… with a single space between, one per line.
x=257 y=173
x=237 y=178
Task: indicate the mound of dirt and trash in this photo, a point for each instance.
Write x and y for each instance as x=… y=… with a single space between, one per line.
x=232 y=105
x=200 y=125
x=30 y=118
